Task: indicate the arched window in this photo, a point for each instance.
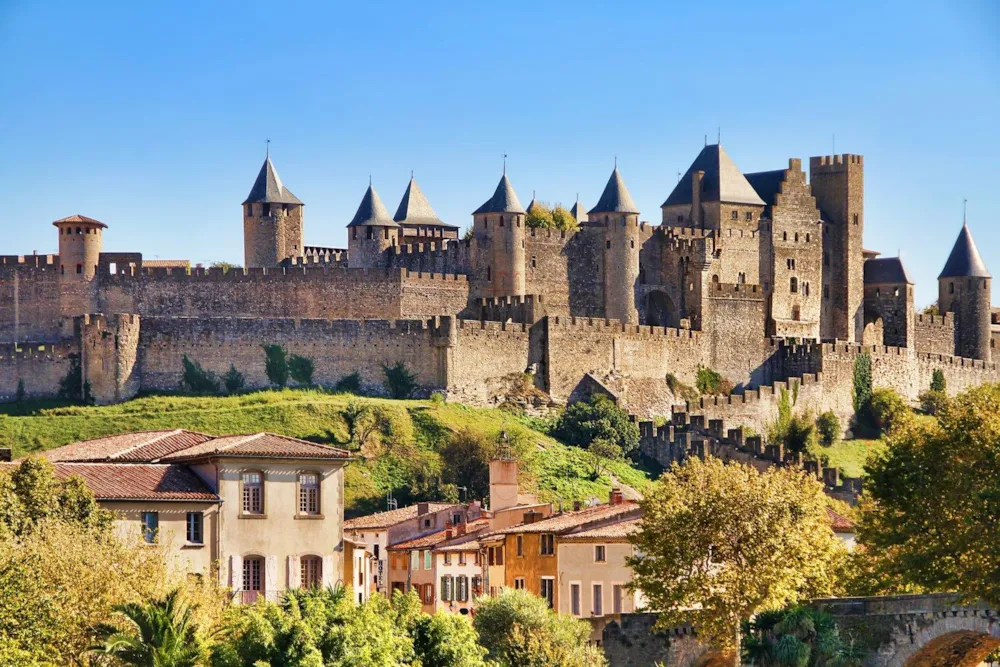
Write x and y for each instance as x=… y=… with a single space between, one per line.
x=715 y=278
x=309 y=493
x=855 y=218
x=311 y=572
x=79 y=231
x=632 y=243
x=252 y=492
x=253 y=579
x=793 y=285
x=805 y=288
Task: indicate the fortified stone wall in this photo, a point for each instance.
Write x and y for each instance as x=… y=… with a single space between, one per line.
x=935 y=334
x=40 y=366
x=526 y=309
x=567 y=267
x=735 y=316
x=302 y=291
x=336 y=347
x=29 y=299
x=629 y=641
x=488 y=359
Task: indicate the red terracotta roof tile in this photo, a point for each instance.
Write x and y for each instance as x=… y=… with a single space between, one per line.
x=441 y=536
x=567 y=521
x=392 y=517
x=839 y=522
x=618 y=532
x=141 y=446
x=259 y=445
x=135 y=481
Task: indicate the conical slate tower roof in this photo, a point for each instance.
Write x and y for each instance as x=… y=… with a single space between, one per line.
x=268 y=188
x=414 y=209
x=964 y=260
x=372 y=212
x=578 y=211
x=504 y=200
x=533 y=204
x=615 y=198
x=723 y=181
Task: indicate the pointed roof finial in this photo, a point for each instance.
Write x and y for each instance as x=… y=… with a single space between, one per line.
x=411 y=174
x=616 y=161
x=267 y=148
x=965 y=206
x=719 y=139
x=504 y=163
x=706 y=139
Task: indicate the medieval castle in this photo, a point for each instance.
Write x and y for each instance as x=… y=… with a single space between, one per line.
x=761 y=277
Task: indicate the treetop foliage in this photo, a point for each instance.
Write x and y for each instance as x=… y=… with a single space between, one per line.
x=599 y=418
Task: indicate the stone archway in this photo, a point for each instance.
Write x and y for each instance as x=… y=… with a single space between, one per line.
x=954 y=648
x=660 y=310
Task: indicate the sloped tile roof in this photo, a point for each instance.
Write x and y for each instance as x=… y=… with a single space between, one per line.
x=258 y=445
x=269 y=189
x=504 y=199
x=440 y=537
x=964 y=260
x=136 y=481
x=722 y=182
x=79 y=218
x=141 y=446
x=618 y=531
x=567 y=521
x=766 y=184
x=371 y=212
x=616 y=197
x=886 y=270
x=839 y=522
x=392 y=517
x=414 y=209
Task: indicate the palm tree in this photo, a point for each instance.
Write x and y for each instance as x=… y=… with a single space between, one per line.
x=160 y=633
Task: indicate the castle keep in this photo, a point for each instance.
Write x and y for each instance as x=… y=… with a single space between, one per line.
x=759 y=276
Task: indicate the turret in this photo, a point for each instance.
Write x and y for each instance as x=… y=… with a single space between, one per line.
x=964 y=289
x=499 y=233
x=617 y=213
x=272 y=221
x=80 y=243
x=371 y=233
x=417 y=218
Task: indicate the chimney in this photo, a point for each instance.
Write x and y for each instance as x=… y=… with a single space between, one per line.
x=503 y=484
x=696 y=179
x=460 y=529
x=6 y=455
x=449 y=533
x=423 y=508
x=577 y=505
x=616 y=497
x=532 y=516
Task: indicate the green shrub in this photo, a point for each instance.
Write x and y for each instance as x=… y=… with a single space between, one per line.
x=301 y=369
x=233 y=380
x=708 y=381
x=540 y=217
x=932 y=402
x=681 y=390
x=399 y=381
x=599 y=418
x=862 y=389
x=359 y=421
x=276 y=364
x=196 y=379
x=937 y=380
x=887 y=410
x=395 y=428
x=349 y=384
x=828 y=428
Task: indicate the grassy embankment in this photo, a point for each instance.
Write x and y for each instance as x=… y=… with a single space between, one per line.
x=551 y=469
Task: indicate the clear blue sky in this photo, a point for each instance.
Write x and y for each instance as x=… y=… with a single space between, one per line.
x=151 y=116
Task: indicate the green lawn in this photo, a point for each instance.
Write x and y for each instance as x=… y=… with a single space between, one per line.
x=556 y=472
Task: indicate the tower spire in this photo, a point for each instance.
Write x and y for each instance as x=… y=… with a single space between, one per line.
x=267 y=148
x=965 y=206
x=505 y=163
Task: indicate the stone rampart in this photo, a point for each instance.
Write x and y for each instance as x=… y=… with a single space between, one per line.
x=30 y=299
x=489 y=359
x=935 y=334
x=40 y=366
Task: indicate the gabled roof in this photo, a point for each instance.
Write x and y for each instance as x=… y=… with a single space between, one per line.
x=136 y=481
x=886 y=270
x=964 y=260
x=567 y=521
x=440 y=537
x=268 y=188
x=722 y=182
x=79 y=218
x=414 y=209
x=371 y=212
x=504 y=199
x=839 y=523
x=618 y=531
x=615 y=198
x=578 y=211
x=259 y=445
x=142 y=446
x=392 y=517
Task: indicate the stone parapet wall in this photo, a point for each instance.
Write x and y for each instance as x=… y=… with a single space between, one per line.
x=935 y=334
x=39 y=366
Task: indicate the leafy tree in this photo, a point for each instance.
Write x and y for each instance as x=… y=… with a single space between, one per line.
x=937 y=380
x=929 y=513
x=468 y=455
x=540 y=217
x=932 y=309
x=828 y=427
x=72 y=388
x=446 y=640
x=225 y=266
x=233 y=380
x=158 y=633
x=276 y=364
x=31 y=495
x=797 y=433
x=563 y=220
x=862 y=389
x=301 y=369
x=197 y=379
x=359 y=421
x=585 y=421
x=519 y=630
x=600 y=452
x=887 y=410
x=795 y=637
x=932 y=402
x=721 y=542
x=399 y=381
x=349 y=384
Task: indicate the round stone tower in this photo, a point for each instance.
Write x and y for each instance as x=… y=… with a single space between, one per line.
x=272 y=221
x=371 y=233
x=964 y=289
x=80 y=243
x=499 y=232
x=618 y=214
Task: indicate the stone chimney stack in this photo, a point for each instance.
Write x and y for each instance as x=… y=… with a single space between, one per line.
x=503 y=484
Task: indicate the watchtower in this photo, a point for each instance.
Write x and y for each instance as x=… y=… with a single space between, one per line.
x=964 y=288
x=371 y=233
x=838 y=184
x=619 y=216
x=499 y=233
x=80 y=244
x=272 y=221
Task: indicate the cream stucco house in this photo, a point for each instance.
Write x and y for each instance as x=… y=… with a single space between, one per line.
x=268 y=509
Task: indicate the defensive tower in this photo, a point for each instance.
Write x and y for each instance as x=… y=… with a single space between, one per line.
x=272 y=221
x=371 y=233
x=499 y=233
x=80 y=244
x=619 y=216
x=964 y=289
x=838 y=184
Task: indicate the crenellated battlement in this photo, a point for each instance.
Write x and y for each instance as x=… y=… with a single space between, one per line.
x=36 y=351
x=948 y=319
x=835 y=163
x=486 y=325
x=599 y=325
x=28 y=261
x=421 y=276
